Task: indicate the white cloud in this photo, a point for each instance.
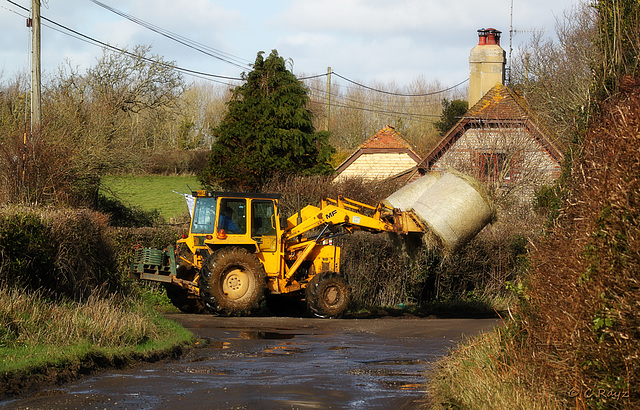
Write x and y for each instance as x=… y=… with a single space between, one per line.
x=369 y=40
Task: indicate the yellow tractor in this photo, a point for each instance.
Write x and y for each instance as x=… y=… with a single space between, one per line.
x=240 y=247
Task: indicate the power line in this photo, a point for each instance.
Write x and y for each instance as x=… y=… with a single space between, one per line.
x=94 y=41
x=383 y=91
x=362 y=103
x=313 y=76
x=406 y=114
x=210 y=51
x=399 y=94
x=202 y=48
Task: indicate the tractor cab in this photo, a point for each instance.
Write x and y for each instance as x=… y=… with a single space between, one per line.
x=223 y=219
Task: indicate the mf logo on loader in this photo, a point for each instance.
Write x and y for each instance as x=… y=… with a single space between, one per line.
x=331 y=214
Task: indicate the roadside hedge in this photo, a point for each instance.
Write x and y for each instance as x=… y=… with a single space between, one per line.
x=69 y=253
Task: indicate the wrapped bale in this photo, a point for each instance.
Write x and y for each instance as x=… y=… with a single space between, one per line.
x=455 y=209
x=405 y=197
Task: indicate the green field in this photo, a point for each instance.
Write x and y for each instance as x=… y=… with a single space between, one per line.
x=151 y=192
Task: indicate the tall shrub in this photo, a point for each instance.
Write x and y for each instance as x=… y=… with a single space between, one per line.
x=582 y=307
x=267 y=130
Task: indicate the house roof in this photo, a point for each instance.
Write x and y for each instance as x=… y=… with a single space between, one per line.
x=386 y=140
x=500 y=106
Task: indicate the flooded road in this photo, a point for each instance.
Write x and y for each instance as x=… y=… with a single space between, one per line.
x=279 y=363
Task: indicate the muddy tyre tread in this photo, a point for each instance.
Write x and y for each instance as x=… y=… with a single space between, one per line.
x=212 y=274
x=317 y=289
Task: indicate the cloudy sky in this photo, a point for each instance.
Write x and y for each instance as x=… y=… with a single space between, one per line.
x=370 y=41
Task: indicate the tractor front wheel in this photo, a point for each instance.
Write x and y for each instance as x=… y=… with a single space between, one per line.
x=232 y=281
x=328 y=295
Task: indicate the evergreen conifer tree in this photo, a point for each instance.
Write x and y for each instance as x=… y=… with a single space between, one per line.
x=452 y=111
x=266 y=131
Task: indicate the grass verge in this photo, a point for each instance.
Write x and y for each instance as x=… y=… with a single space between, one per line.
x=489 y=372
x=44 y=342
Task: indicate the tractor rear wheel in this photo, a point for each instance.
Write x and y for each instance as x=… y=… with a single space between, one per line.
x=184 y=300
x=328 y=295
x=232 y=281
x=181 y=298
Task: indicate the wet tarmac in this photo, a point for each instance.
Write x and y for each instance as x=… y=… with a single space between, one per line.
x=277 y=363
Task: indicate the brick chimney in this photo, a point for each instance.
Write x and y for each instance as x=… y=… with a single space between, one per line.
x=486 y=64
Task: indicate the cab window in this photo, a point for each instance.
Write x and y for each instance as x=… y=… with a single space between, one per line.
x=233 y=216
x=204 y=215
x=262 y=218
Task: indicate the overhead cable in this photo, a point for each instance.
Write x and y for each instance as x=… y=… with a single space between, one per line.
x=349 y=98
x=406 y=114
x=116 y=49
x=210 y=51
x=204 y=49
x=399 y=94
x=313 y=76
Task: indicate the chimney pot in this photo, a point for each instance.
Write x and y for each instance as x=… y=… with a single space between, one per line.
x=493 y=36
x=482 y=37
x=486 y=64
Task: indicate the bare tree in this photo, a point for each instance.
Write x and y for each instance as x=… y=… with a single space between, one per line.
x=357 y=113
x=202 y=106
x=555 y=76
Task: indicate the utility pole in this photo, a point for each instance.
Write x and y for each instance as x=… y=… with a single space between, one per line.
x=328 y=100
x=36 y=104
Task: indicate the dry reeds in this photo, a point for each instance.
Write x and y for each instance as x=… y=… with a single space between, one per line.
x=29 y=319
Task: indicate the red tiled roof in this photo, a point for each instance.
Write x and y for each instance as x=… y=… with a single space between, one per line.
x=388 y=138
x=500 y=105
x=385 y=140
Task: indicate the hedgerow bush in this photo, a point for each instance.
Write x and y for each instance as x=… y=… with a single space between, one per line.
x=125 y=240
x=581 y=307
x=298 y=191
x=174 y=161
x=60 y=252
x=67 y=253
x=121 y=215
x=382 y=274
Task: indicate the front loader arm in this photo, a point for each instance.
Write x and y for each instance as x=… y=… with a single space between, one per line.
x=352 y=215
x=334 y=215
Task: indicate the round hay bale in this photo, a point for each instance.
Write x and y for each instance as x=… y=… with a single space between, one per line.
x=455 y=208
x=405 y=197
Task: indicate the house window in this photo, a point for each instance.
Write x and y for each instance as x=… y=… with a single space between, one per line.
x=490 y=165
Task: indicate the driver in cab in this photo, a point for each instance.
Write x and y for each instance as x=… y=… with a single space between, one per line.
x=226 y=222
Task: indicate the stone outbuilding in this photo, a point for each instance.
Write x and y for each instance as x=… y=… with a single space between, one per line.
x=386 y=154
x=498 y=140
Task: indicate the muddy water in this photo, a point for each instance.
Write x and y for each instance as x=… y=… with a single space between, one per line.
x=280 y=363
